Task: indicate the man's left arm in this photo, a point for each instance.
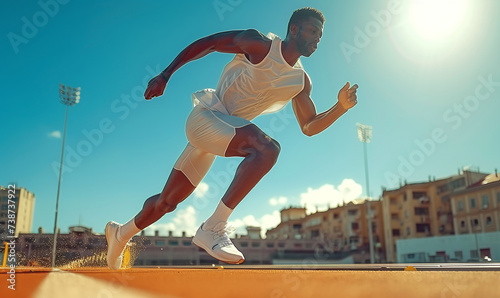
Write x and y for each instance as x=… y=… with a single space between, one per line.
x=312 y=123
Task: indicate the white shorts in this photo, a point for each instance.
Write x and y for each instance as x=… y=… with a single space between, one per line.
x=209 y=134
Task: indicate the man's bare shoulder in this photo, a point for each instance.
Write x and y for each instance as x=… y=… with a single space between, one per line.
x=252 y=34
x=253 y=42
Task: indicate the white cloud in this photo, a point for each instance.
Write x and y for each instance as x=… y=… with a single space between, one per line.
x=55 y=134
x=201 y=190
x=184 y=220
x=327 y=196
x=350 y=189
x=278 y=201
x=266 y=222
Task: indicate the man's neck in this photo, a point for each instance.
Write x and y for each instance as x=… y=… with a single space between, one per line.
x=289 y=52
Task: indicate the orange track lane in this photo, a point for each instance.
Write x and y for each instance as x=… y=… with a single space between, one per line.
x=230 y=282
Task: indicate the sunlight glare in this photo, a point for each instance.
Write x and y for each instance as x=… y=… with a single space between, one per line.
x=434 y=19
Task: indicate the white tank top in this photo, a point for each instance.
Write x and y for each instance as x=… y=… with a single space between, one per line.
x=248 y=90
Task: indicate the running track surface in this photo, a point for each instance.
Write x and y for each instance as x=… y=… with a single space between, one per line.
x=253 y=281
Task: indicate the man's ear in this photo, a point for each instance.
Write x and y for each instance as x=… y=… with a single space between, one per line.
x=294 y=29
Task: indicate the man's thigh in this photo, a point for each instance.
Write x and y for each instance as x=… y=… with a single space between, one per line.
x=248 y=139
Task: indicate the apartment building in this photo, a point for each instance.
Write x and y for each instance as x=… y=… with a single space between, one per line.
x=422 y=209
x=477 y=208
x=23 y=204
x=341 y=230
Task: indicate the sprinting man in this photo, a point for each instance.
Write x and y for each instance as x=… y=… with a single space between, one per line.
x=263 y=77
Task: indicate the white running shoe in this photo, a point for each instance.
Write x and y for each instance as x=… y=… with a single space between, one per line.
x=115 y=246
x=216 y=243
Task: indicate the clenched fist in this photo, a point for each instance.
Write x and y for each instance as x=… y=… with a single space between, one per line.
x=156 y=87
x=347 y=96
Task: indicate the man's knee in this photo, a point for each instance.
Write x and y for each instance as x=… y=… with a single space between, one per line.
x=270 y=149
x=165 y=205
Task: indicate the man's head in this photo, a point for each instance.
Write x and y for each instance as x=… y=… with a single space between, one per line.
x=306 y=28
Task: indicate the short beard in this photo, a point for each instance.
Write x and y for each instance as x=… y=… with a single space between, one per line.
x=301 y=45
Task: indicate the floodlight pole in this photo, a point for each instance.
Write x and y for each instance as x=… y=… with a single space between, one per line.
x=364 y=135
x=69 y=96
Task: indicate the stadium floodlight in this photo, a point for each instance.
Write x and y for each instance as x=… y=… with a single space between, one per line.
x=69 y=97
x=364 y=133
x=365 y=136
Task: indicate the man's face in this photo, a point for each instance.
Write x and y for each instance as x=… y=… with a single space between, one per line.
x=308 y=36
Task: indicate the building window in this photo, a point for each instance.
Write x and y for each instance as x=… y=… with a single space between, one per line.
x=442 y=188
x=173 y=242
x=407 y=214
x=488 y=221
x=186 y=243
x=335 y=215
x=458 y=255
x=244 y=244
x=473 y=203
x=353 y=239
x=457 y=183
x=423 y=228
x=255 y=244
x=270 y=245
x=408 y=231
x=355 y=226
x=474 y=222
x=395 y=232
x=474 y=254
x=485 y=201
x=418 y=194
x=281 y=244
x=314 y=233
x=462 y=224
x=421 y=211
x=394 y=201
x=313 y=222
x=394 y=216
x=160 y=242
x=352 y=212
x=445 y=199
x=460 y=206
x=485 y=252
x=297 y=226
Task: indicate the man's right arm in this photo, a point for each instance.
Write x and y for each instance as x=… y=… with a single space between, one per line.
x=250 y=42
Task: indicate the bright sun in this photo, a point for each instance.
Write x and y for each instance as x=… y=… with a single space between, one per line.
x=433 y=19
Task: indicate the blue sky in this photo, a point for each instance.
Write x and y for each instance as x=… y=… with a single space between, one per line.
x=429 y=85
